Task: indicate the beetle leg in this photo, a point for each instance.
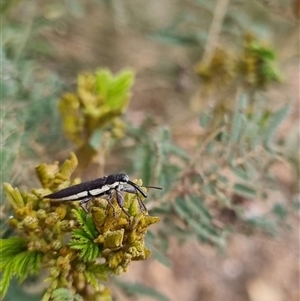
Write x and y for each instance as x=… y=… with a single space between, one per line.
x=120 y=200
x=134 y=191
x=141 y=203
x=83 y=202
x=109 y=197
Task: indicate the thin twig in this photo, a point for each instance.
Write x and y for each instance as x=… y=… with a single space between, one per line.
x=215 y=29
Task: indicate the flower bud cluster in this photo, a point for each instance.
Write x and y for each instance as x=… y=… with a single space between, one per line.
x=48 y=227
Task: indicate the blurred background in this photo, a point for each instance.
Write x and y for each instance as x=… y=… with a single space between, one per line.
x=214 y=100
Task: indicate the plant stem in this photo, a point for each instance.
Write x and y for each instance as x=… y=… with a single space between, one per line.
x=214 y=31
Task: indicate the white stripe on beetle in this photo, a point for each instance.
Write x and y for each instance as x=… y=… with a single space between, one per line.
x=76 y=196
x=103 y=189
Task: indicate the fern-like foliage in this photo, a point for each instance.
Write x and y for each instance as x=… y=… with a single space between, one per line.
x=94 y=272
x=83 y=238
x=16 y=261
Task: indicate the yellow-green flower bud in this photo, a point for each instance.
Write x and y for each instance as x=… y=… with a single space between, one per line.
x=44 y=204
x=52 y=218
x=64 y=263
x=65 y=225
x=80 y=267
x=54 y=272
x=48 y=234
x=119 y=270
x=113 y=239
x=51 y=263
x=79 y=281
x=22 y=212
x=30 y=222
x=41 y=214
x=99 y=216
x=20 y=226
x=56 y=245
x=31 y=246
x=13 y=222
x=61 y=211
x=115 y=259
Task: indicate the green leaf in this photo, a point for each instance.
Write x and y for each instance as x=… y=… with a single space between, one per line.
x=103 y=80
x=209 y=189
x=183 y=40
x=273 y=124
x=115 y=90
x=10 y=247
x=245 y=190
x=207 y=233
x=251 y=133
x=240 y=172
x=99 y=270
x=83 y=238
x=250 y=169
x=140 y=289
x=6 y=277
x=27 y=263
x=181 y=208
x=204 y=120
x=264 y=223
x=20 y=265
x=86 y=222
x=91 y=279
x=197 y=208
x=238 y=119
x=280 y=210
x=145 y=160
x=118 y=89
x=22 y=262
x=189 y=209
x=88 y=250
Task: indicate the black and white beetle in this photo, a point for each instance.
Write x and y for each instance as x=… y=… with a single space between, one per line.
x=85 y=192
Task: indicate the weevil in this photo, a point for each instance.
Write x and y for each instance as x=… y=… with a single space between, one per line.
x=105 y=186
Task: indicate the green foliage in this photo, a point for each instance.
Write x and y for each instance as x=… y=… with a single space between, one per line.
x=273 y=123
x=100 y=99
x=244 y=190
x=208 y=193
x=28 y=96
x=252 y=67
x=155 y=156
x=209 y=188
x=16 y=261
x=83 y=238
x=45 y=227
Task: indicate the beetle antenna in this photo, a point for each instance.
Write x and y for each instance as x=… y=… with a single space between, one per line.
x=137 y=187
x=154 y=187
